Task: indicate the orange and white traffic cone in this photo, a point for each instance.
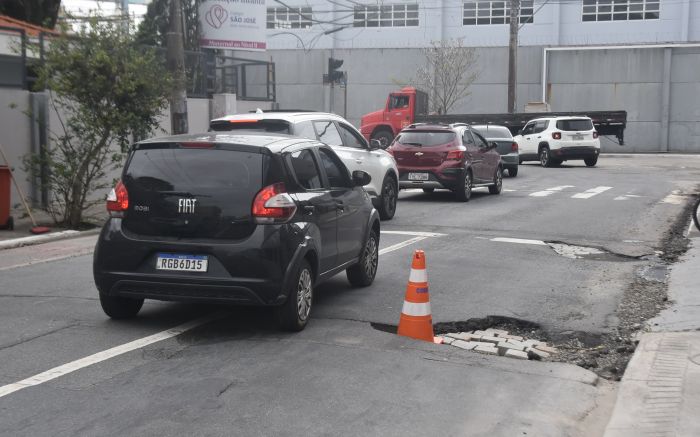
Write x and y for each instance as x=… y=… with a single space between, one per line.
x=416 y=319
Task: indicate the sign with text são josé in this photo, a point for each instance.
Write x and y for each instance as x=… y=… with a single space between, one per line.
x=233 y=24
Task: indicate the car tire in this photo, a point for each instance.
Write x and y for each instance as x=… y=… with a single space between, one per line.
x=117 y=307
x=463 y=190
x=497 y=185
x=428 y=190
x=545 y=157
x=362 y=274
x=591 y=162
x=384 y=137
x=294 y=313
x=389 y=196
x=512 y=172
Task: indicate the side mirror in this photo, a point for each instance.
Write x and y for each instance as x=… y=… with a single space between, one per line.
x=361 y=178
x=374 y=144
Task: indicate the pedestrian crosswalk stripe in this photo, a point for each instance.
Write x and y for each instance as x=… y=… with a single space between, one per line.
x=590 y=193
x=550 y=191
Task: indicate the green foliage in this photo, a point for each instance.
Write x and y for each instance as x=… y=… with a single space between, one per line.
x=107 y=91
x=153 y=30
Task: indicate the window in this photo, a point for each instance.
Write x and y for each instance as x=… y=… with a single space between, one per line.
x=305 y=129
x=398 y=15
x=575 y=125
x=620 y=10
x=397 y=101
x=527 y=130
x=327 y=133
x=426 y=138
x=480 y=141
x=350 y=138
x=335 y=170
x=288 y=18
x=467 y=138
x=495 y=12
x=540 y=126
x=493 y=132
x=305 y=169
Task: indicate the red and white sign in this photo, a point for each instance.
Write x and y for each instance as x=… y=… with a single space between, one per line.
x=233 y=24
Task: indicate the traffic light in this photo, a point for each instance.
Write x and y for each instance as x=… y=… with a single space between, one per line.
x=334 y=76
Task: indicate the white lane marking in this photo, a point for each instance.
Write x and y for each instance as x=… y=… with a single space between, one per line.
x=98 y=357
x=519 y=241
x=590 y=193
x=674 y=198
x=627 y=197
x=55 y=258
x=621 y=198
x=550 y=191
x=71 y=367
x=398 y=246
x=417 y=234
x=509 y=191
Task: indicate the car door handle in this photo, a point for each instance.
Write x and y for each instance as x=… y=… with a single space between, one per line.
x=539 y=137
x=527 y=138
x=340 y=205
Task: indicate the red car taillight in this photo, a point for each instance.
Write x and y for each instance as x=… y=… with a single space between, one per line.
x=455 y=155
x=272 y=204
x=556 y=135
x=595 y=135
x=514 y=147
x=118 y=200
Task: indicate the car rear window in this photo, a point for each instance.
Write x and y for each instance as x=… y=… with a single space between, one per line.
x=575 y=125
x=224 y=183
x=425 y=138
x=274 y=126
x=493 y=132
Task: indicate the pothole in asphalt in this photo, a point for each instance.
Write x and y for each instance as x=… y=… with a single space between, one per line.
x=603 y=354
x=592 y=253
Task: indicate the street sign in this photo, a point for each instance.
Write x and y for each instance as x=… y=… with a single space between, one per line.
x=233 y=25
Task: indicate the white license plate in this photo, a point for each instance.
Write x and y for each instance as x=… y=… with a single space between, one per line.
x=418 y=176
x=576 y=137
x=182 y=263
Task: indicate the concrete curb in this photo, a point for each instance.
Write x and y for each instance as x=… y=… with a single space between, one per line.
x=46 y=238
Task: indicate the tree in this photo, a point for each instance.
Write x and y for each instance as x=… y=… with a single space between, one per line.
x=153 y=30
x=106 y=90
x=447 y=74
x=39 y=12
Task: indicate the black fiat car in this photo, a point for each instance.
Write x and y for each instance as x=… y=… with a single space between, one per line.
x=241 y=218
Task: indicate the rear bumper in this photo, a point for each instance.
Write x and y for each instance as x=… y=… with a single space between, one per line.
x=447 y=179
x=510 y=160
x=566 y=153
x=251 y=272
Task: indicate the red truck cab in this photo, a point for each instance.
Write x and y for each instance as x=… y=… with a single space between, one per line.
x=399 y=112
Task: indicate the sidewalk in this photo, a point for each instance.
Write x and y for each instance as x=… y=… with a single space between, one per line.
x=660 y=392
x=21 y=235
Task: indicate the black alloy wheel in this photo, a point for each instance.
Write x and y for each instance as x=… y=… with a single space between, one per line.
x=388 y=200
x=363 y=273
x=294 y=313
x=463 y=190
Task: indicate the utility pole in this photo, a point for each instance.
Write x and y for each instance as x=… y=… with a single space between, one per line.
x=513 y=54
x=125 y=15
x=176 y=66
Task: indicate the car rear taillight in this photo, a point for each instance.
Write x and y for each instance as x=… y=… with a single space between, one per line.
x=556 y=135
x=272 y=204
x=455 y=155
x=595 y=135
x=514 y=147
x=118 y=200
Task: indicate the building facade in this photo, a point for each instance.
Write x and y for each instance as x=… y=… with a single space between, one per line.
x=642 y=56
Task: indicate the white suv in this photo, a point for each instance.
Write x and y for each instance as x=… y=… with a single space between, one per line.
x=338 y=133
x=552 y=140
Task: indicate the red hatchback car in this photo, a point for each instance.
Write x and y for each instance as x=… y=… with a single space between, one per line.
x=454 y=157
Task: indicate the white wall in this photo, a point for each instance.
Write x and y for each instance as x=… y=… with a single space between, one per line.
x=556 y=23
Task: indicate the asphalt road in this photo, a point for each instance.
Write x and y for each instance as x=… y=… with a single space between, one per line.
x=232 y=373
